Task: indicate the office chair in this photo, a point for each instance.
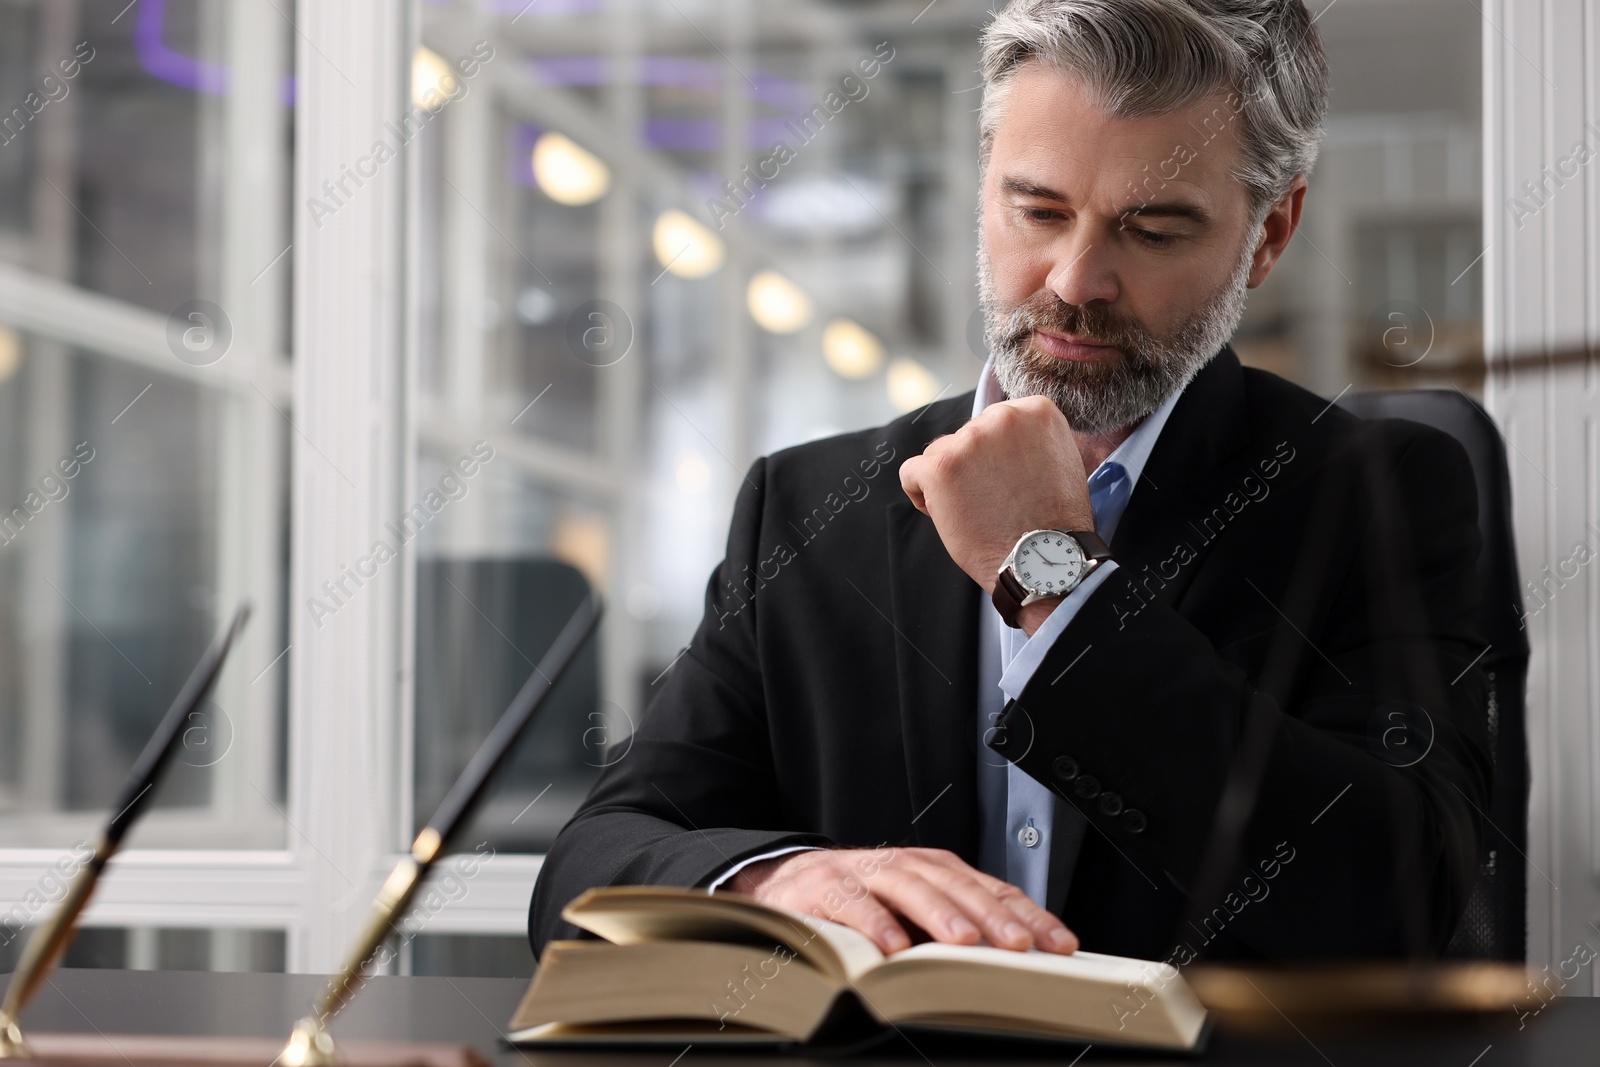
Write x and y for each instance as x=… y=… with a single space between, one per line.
x=481 y=626
x=1494 y=924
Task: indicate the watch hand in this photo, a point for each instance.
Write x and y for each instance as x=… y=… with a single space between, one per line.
x=1047 y=559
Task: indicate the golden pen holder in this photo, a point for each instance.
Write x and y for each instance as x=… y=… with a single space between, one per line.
x=310 y=1045
x=12 y=1045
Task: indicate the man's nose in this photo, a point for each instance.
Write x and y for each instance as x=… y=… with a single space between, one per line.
x=1082 y=272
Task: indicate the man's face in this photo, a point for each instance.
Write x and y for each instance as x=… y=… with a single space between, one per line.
x=1106 y=285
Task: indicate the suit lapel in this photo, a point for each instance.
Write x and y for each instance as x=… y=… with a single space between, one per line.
x=1190 y=472
x=935 y=616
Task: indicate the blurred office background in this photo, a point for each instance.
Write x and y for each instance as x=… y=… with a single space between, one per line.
x=552 y=280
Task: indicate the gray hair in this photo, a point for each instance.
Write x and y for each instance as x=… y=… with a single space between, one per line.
x=1150 y=57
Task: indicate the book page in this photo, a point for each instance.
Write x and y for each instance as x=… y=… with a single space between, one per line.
x=592 y=983
x=857 y=952
x=1085 y=995
x=1092 y=965
x=627 y=915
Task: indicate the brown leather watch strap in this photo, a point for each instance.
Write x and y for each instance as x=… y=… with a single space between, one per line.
x=1008 y=596
x=1095 y=551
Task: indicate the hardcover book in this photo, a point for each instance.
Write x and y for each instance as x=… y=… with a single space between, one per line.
x=676 y=965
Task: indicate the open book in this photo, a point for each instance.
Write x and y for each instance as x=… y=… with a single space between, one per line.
x=680 y=965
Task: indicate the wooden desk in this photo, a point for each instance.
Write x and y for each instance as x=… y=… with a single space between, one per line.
x=473 y=1010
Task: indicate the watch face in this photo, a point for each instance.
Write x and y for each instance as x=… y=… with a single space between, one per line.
x=1048 y=563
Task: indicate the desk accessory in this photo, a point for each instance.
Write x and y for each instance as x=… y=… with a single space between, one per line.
x=310 y=1045
x=50 y=939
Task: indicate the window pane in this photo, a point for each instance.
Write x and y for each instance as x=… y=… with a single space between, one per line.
x=471 y=956
x=1381 y=286
x=114 y=145
x=143 y=489
x=499 y=572
x=156 y=949
x=110 y=481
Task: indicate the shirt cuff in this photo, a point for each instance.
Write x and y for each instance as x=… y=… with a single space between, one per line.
x=1027 y=659
x=742 y=864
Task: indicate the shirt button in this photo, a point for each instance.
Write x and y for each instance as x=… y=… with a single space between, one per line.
x=1029 y=835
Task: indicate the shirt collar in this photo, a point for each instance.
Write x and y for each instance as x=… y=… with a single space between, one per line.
x=1132 y=453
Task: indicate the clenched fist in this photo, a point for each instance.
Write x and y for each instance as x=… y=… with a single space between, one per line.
x=1014 y=468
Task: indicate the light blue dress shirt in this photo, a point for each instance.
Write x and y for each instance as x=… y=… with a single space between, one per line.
x=1015 y=810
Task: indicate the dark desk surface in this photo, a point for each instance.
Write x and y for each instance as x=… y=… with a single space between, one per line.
x=473 y=1010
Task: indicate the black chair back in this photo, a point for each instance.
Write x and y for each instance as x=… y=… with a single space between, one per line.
x=1494 y=925
x=482 y=624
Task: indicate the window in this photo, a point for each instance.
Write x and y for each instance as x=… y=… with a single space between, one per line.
x=144 y=382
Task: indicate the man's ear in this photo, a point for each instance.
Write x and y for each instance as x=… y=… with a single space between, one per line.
x=1276 y=229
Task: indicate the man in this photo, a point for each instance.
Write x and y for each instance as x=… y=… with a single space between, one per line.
x=944 y=709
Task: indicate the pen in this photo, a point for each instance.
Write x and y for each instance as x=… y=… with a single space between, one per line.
x=310 y=1045
x=50 y=939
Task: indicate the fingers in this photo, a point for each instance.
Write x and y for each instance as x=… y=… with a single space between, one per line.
x=928 y=905
x=911 y=482
x=1045 y=930
x=915 y=472
x=829 y=884
x=955 y=902
x=1049 y=933
x=1036 y=409
x=1002 y=927
x=868 y=916
x=933 y=888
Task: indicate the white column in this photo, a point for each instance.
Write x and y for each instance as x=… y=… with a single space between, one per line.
x=620 y=393
x=1542 y=313
x=353 y=63
x=959 y=254
x=736 y=387
x=48 y=622
x=250 y=287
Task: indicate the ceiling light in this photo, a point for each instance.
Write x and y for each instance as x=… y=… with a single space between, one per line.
x=10 y=352
x=583 y=539
x=776 y=303
x=911 y=385
x=685 y=247
x=851 y=349
x=432 y=80
x=567 y=172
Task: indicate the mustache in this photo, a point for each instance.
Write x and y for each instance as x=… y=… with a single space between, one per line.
x=1099 y=324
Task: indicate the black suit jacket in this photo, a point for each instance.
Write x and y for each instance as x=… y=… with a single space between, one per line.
x=1293 y=582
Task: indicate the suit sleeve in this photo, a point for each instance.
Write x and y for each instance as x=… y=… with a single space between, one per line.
x=1382 y=838
x=700 y=758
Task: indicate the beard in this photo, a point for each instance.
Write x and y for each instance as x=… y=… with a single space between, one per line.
x=1116 y=391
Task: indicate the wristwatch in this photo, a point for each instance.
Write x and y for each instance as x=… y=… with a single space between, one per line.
x=1045 y=564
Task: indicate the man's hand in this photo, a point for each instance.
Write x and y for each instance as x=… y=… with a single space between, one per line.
x=1013 y=469
x=866 y=888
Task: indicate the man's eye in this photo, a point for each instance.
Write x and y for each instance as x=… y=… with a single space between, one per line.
x=1153 y=240
x=1040 y=214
